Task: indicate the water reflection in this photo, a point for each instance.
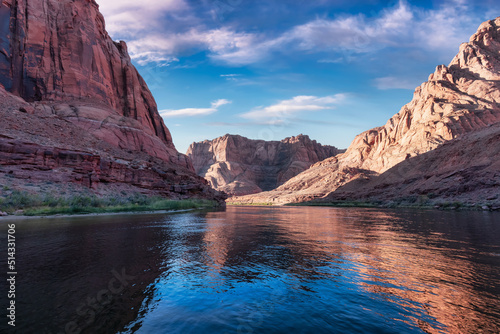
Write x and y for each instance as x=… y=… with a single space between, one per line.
x=336 y=269
x=88 y=275
x=269 y=270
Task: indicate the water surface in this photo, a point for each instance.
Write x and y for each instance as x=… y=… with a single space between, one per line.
x=259 y=270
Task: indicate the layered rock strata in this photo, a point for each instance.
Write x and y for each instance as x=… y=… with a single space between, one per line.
x=239 y=166
x=457 y=99
x=71 y=96
x=463 y=170
x=45 y=153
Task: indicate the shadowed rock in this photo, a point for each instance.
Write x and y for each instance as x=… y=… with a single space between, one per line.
x=457 y=99
x=465 y=170
x=67 y=87
x=239 y=166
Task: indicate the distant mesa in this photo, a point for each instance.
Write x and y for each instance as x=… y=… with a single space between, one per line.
x=240 y=166
x=457 y=109
x=76 y=111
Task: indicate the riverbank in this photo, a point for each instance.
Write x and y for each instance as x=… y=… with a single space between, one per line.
x=23 y=204
x=11 y=218
x=423 y=205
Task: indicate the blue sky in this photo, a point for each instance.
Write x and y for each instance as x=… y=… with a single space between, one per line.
x=273 y=69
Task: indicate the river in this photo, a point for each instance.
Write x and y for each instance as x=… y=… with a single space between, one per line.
x=257 y=270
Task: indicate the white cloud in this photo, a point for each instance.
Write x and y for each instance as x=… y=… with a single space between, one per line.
x=395 y=83
x=323 y=34
x=233 y=75
x=400 y=26
x=439 y=30
x=127 y=17
x=445 y=29
x=403 y=26
x=286 y=109
x=143 y=58
x=120 y=6
x=215 y=105
x=166 y=45
x=223 y=44
x=220 y=102
x=331 y=61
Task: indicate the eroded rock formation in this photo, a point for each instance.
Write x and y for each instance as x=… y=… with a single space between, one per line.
x=457 y=99
x=53 y=50
x=71 y=96
x=462 y=170
x=239 y=166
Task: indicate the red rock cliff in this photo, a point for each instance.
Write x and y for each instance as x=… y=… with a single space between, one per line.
x=457 y=99
x=239 y=166
x=55 y=50
x=76 y=111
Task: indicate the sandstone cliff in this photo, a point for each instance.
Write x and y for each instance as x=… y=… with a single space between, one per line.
x=67 y=87
x=457 y=99
x=239 y=166
x=463 y=170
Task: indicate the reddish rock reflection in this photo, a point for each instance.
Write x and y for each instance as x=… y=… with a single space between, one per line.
x=422 y=267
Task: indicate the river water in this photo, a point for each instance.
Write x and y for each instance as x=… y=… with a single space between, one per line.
x=258 y=270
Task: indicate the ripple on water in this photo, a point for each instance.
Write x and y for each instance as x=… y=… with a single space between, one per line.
x=263 y=270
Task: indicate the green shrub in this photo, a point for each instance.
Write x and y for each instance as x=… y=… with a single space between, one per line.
x=33 y=204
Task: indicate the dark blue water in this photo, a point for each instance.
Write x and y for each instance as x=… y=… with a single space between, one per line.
x=259 y=270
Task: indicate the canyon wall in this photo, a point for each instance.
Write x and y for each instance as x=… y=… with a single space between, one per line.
x=457 y=99
x=59 y=50
x=240 y=166
x=66 y=86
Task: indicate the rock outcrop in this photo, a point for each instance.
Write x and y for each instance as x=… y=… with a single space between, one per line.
x=47 y=152
x=53 y=50
x=71 y=95
x=457 y=99
x=463 y=170
x=240 y=166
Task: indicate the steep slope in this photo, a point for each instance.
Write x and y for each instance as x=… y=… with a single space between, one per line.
x=60 y=51
x=240 y=166
x=66 y=86
x=459 y=98
x=465 y=170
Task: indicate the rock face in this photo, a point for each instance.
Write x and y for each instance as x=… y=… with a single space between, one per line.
x=457 y=99
x=71 y=95
x=240 y=166
x=59 y=50
x=46 y=152
x=53 y=50
x=465 y=170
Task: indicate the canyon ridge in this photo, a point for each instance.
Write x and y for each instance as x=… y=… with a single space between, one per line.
x=241 y=166
x=76 y=114
x=441 y=147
